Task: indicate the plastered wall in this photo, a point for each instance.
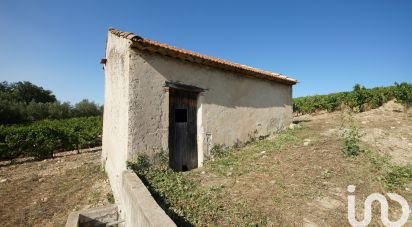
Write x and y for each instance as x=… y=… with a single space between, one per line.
x=116 y=111
x=234 y=107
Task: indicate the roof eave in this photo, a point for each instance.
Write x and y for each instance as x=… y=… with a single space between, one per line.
x=166 y=50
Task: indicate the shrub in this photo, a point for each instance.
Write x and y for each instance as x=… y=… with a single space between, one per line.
x=351 y=141
x=403 y=94
x=358 y=100
x=40 y=139
x=351 y=137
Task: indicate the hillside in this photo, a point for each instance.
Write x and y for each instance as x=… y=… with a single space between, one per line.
x=297 y=178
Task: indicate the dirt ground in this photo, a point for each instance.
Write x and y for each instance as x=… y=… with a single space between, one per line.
x=43 y=193
x=304 y=182
x=387 y=129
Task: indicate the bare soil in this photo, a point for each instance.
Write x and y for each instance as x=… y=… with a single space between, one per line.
x=43 y=193
x=387 y=129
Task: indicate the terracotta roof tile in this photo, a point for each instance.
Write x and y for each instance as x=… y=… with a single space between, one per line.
x=168 y=50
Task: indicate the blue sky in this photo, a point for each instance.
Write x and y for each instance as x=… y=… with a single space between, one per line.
x=327 y=45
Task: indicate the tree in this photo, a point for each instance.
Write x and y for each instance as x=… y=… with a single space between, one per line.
x=57 y=110
x=24 y=102
x=37 y=111
x=85 y=108
x=11 y=112
x=4 y=86
x=27 y=92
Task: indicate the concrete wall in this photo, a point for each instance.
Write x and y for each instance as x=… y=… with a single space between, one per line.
x=116 y=109
x=141 y=209
x=234 y=108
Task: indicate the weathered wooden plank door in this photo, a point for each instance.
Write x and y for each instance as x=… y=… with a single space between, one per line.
x=182 y=130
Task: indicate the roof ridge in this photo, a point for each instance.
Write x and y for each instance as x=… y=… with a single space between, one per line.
x=127 y=35
x=166 y=49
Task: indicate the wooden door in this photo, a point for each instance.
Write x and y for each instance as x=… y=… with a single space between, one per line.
x=182 y=130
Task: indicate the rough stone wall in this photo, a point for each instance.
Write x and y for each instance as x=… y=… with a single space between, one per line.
x=234 y=108
x=116 y=109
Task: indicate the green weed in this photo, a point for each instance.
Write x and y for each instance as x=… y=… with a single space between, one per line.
x=398 y=176
x=351 y=145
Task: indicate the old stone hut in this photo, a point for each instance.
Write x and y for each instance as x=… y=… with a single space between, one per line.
x=162 y=98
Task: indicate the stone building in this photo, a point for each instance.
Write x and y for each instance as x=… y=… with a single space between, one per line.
x=162 y=98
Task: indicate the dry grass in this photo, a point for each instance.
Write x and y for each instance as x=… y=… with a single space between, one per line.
x=44 y=193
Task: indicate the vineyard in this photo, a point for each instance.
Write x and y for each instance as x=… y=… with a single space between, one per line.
x=358 y=100
x=41 y=139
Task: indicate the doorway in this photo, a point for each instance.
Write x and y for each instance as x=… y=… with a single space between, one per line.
x=182 y=129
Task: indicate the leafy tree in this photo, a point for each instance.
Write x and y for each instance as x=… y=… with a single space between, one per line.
x=24 y=102
x=11 y=112
x=86 y=108
x=4 y=86
x=27 y=92
x=36 y=111
x=57 y=110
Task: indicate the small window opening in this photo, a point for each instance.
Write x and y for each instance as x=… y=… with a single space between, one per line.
x=180 y=115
